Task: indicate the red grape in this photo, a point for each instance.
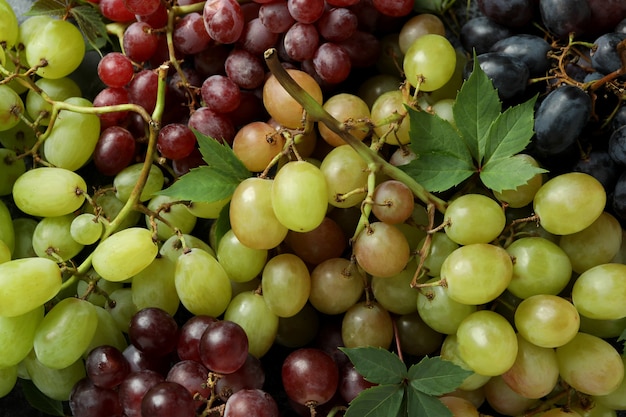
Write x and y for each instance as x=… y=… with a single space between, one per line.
x=106 y=366
x=306 y=11
x=223 y=20
x=188 y=345
x=134 y=387
x=89 y=400
x=251 y=402
x=168 y=399
x=153 y=331
x=332 y=63
x=224 y=346
x=176 y=141
x=220 y=94
x=276 y=17
x=140 y=42
x=142 y=7
x=310 y=376
x=115 y=69
x=114 y=151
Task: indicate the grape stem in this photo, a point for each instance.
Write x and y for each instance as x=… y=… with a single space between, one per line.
x=375 y=162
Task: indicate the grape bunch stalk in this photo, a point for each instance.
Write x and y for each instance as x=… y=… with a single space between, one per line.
x=313 y=208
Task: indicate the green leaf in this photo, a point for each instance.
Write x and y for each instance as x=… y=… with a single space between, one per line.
x=377 y=365
x=477 y=105
x=423 y=405
x=377 y=401
x=90 y=23
x=221 y=157
x=507 y=173
x=511 y=132
x=443 y=159
x=435 y=376
x=222 y=224
x=53 y=8
x=39 y=400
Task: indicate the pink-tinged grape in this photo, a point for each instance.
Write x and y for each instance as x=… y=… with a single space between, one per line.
x=193 y=376
x=298 y=196
x=142 y=7
x=223 y=347
x=310 y=376
x=598 y=293
x=332 y=63
x=125 y=181
x=58 y=89
x=525 y=193
x=382 y=250
x=429 y=62
x=474 y=218
x=140 y=42
x=188 y=344
x=396 y=8
x=153 y=331
x=256 y=144
x=111 y=258
x=439 y=311
x=540 y=267
x=115 y=69
x=190 y=36
x=547 y=320
x=54 y=383
x=223 y=20
x=487 y=343
x=569 y=203
x=306 y=11
x=590 y=365
x=350 y=109
x=301 y=41
x=345 y=171
x=11 y=108
x=504 y=400
x=116 y=11
x=384 y=106
x=65 y=332
x=90 y=400
x=17 y=335
x=176 y=141
x=252 y=199
x=220 y=93
x=202 y=284
x=336 y=285
x=417 y=26
x=416 y=337
x=27 y=284
x=615 y=400
x=11 y=168
x=212 y=124
x=324 y=242
x=450 y=352
x=248 y=402
x=168 y=399
x=250 y=311
x=245 y=69
x=535 y=372
x=478 y=273
x=52 y=239
x=106 y=366
x=286 y=284
x=256 y=37
x=57 y=62
x=367 y=324
x=154 y=286
x=393 y=202
x=281 y=106
x=337 y=24
x=134 y=387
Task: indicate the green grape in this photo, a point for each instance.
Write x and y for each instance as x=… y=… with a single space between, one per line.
x=525 y=193
x=99 y=297
x=9 y=25
x=394 y=293
x=450 y=352
x=109 y=206
x=286 y=284
x=535 y=372
x=10 y=170
x=107 y=332
x=540 y=267
x=252 y=216
x=201 y=283
x=86 y=228
x=344 y=171
x=54 y=383
x=487 y=343
x=477 y=273
x=5 y=252
x=594 y=245
x=590 y=365
x=602 y=328
x=443 y=109
x=7 y=229
x=65 y=333
x=387 y=105
x=42 y=48
x=298 y=196
x=568 y=203
x=474 y=218
x=11 y=106
x=441 y=246
x=595 y=410
x=439 y=311
x=124 y=254
x=249 y=310
x=24 y=227
x=52 y=238
x=616 y=399
x=416 y=337
x=3 y=57
x=30 y=25
x=49 y=192
x=73 y=137
x=172 y=248
x=240 y=262
x=450 y=89
x=208 y=210
x=298 y=330
x=599 y=292
x=431 y=58
x=382 y=250
x=176 y=215
x=26 y=284
x=336 y=285
x=367 y=324
x=126 y=180
x=17 y=335
x=155 y=287
x=547 y=320
x=59 y=89
x=413 y=234
x=19 y=138
x=121 y=308
x=8 y=379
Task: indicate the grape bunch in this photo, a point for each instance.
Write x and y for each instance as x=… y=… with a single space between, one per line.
x=223 y=208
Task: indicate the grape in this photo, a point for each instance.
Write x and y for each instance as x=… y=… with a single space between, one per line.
x=65 y=332
x=547 y=320
x=223 y=20
x=320 y=244
x=450 y=352
x=419 y=62
x=249 y=376
x=561 y=21
x=12 y=107
x=54 y=383
x=614 y=400
x=134 y=387
x=256 y=144
x=286 y=284
x=8 y=379
x=249 y=310
x=310 y=376
x=116 y=11
x=12 y=169
x=281 y=106
x=9 y=27
x=332 y=63
x=487 y=343
x=122 y=307
x=301 y=41
x=175 y=214
x=249 y=402
x=306 y=11
x=168 y=399
x=18 y=296
x=275 y=16
x=347 y=108
x=111 y=258
x=154 y=286
x=23 y=229
x=525 y=193
x=335 y=286
x=508 y=75
x=378 y=239
x=480 y=33
x=337 y=24
x=499 y=395
x=90 y=400
x=394 y=293
x=384 y=106
x=5 y=252
x=344 y=171
x=590 y=365
x=597 y=290
x=7 y=229
x=201 y=283
x=363 y=48
x=220 y=93
x=153 y=331
x=59 y=89
x=125 y=181
x=139 y=361
x=532 y=50
x=245 y=69
x=513 y=14
x=63 y=60
x=367 y=324
x=142 y=89
x=176 y=141
x=17 y=334
x=140 y=43
x=300 y=329
x=115 y=69
x=559 y=203
x=172 y=248
x=439 y=311
x=111 y=97
x=52 y=239
x=86 y=228
x=193 y=376
x=474 y=218
x=106 y=366
x=142 y=7
x=223 y=347
x=188 y=345
x=107 y=332
x=256 y=37
x=416 y=337
x=441 y=246
x=214 y=125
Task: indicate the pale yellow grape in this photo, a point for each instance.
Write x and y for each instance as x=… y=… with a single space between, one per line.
x=24 y=228
x=26 y=284
x=286 y=284
x=11 y=168
x=439 y=311
x=473 y=218
x=56 y=384
x=154 y=286
x=432 y=57
x=450 y=352
x=86 y=228
x=8 y=25
x=7 y=228
x=5 y=252
x=172 y=248
x=8 y=379
x=17 y=335
x=59 y=89
x=124 y=254
x=524 y=194
x=240 y=262
x=30 y=25
x=349 y=108
x=547 y=320
x=208 y=210
x=49 y=192
x=599 y=292
x=345 y=171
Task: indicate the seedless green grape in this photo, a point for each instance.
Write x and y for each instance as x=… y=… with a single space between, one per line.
x=154 y=286
x=176 y=214
x=54 y=383
x=8 y=25
x=547 y=320
x=24 y=228
x=615 y=400
x=52 y=238
x=86 y=228
x=172 y=248
x=240 y=262
x=11 y=106
x=8 y=379
x=395 y=293
x=345 y=171
x=7 y=229
x=599 y=292
x=474 y=218
x=439 y=311
x=385 y=106
x=441 y=246
x=367 y=324
x=125 y=181
x=525 y=193
x=59 y=89
x=5 y=252
x=450 y=352
x=17 y=335
x=122 y=308
x=432 y=58
x=107 y=332
x=11 y=168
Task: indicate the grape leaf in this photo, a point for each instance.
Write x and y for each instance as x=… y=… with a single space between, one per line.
x=423 y=405
x=507 y=173
x=377 y=365
x=90 y=23
x=377 y=401
x=510 y=132
x=53 y=8
x=39 y=400
x=435 y=376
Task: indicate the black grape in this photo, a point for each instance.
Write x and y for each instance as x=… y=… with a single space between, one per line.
x=560 y=119
x=564 y=16
x=480 y=33
x=604 y=57
x=601 y=166
x=511 y=13
x=619 y=119
x=617 y=145
x=530 y=49
x=618 y=203
x=508 y=74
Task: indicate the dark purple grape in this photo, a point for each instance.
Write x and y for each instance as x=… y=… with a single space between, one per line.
x=256 y=37
x=106 y=366
x=168 y=399
x=481 y=33
x=600 y=165
x=606 y=15
x=511 y=13
x=224 y=347
x=251 y=402
x=363 y=48
x=134 y=387
x=139 y=360
x=532 y=50
x=249 y=376
x=332 y=63
x=617 y=145
x=115 y=150
x=508 y=74
x=153 y=331
x=564 y=16
x=337 y=24
x=604 y=56
x=89 y=400
x=211 y=60
x=188 y=344
x=619 y=119
x=245 y=69
x=191 y=375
